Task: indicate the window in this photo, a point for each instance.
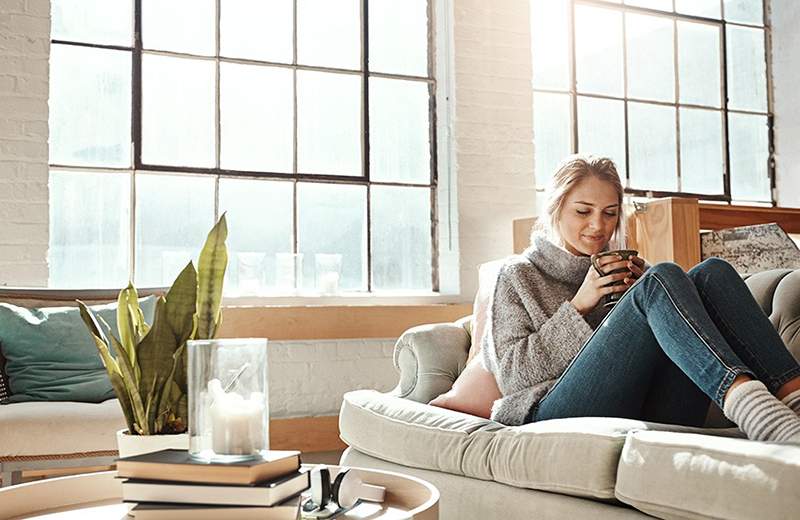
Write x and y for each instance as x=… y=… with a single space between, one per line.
x=675 y=91
x=310 y=122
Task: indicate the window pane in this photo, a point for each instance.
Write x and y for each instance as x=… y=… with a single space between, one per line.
x=747 y=69
x=749 y=155
x=178 y=111
x=180 y=26
x=328 y=123
x=401 y=221
x=89 y=242
x=651 y=57
x=745 y=11
x=257 y=30
x=661 y=5
x=552 y=133
x=259 y=226
x=329 y=33
x=256 y=113
x=332 y=219
x=93 y=21
x=601 y=129
x=90 y=112
x=698 y=63
x=398 y=36
x=400 y=149
x=653 y=162
x=550 y=43
x=598 y=50
x=173 y=217
x=707 y=8
x=702 y=163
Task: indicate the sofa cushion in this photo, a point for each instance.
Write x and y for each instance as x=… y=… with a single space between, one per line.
x=50 y=354
x=43 y=428
x=576 y=456
x=684 y=475
x=465 y=498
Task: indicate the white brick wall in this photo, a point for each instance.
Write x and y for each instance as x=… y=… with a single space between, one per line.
x=785 y=15
x=24 y=50
x=493 y=128
x=309 y=377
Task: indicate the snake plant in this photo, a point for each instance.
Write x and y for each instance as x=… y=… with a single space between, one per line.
x=147 y=365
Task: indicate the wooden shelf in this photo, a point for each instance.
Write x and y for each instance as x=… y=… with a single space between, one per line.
x=716 y=216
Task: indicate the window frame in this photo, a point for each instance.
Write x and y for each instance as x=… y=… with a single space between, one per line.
x=138 y=51
x=723 y=109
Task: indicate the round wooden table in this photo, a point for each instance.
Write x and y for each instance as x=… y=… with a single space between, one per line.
x=98 y=496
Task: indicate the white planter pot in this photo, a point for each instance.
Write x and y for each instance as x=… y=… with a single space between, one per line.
x=129 y=445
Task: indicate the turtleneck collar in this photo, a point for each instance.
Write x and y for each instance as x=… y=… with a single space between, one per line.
x=556 y=261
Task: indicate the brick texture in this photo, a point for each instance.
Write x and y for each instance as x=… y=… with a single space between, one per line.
x=493 y=129
x=784 y=17
x=24 y=51
x=309 y=377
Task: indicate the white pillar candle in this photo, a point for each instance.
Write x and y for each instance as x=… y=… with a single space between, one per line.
x=237 y=424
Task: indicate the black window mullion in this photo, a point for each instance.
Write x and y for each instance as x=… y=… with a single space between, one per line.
x=726 y=174
x=136 y=83
x=365 y=131
x=136 y=125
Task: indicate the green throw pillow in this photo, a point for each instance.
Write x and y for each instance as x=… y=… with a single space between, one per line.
x=50 y=355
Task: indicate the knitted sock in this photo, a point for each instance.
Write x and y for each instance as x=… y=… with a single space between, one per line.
x=793 y=401
x=760 y=415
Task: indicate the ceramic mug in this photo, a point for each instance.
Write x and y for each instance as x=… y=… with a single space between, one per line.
x=611 y=299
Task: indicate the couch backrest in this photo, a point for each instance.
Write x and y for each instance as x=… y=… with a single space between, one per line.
x=778 y=293
x=44 y=297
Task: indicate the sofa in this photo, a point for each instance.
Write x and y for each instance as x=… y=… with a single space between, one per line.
x=58 y=434
x=590 y=467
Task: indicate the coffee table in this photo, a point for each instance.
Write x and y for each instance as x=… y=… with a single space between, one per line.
x=97 y=496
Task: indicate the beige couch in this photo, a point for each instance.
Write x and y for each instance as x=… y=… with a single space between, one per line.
x=62 y=434
x=593 y=467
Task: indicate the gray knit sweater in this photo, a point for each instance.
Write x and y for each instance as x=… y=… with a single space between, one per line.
x=534 y=331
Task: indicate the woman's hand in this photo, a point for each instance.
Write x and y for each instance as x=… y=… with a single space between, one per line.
x=637 y=267
x=594 y=286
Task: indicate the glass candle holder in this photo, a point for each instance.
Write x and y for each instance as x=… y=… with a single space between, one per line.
x=228 y=399
x=251 y=272
x=328 y=269
x=289 y=271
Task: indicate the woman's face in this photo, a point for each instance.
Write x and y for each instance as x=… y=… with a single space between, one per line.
x=589 y=216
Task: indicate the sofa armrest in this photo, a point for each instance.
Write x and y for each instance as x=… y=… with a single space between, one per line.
x=429 y=359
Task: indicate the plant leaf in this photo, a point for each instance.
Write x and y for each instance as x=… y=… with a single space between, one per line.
x=132 y=386
x=211 y=274
x=172 y=326
x=125 y=321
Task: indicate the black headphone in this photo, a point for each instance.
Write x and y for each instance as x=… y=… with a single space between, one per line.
x=346 y=490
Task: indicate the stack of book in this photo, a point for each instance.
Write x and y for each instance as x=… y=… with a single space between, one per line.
x=171 y=484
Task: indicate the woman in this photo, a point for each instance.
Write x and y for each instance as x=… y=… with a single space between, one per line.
x=673 y=342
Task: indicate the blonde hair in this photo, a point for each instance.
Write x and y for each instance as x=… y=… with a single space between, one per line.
x=572 y=170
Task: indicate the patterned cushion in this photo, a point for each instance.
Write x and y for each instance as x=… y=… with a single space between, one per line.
x=5 y=391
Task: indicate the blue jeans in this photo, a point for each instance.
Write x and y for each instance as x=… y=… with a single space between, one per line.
x=673 y=342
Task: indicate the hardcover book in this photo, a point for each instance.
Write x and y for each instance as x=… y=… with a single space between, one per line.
x=288 y=510
x=178 y=465
x=263 y=494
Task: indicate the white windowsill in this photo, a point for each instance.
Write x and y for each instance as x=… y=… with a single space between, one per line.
x=355 y=299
